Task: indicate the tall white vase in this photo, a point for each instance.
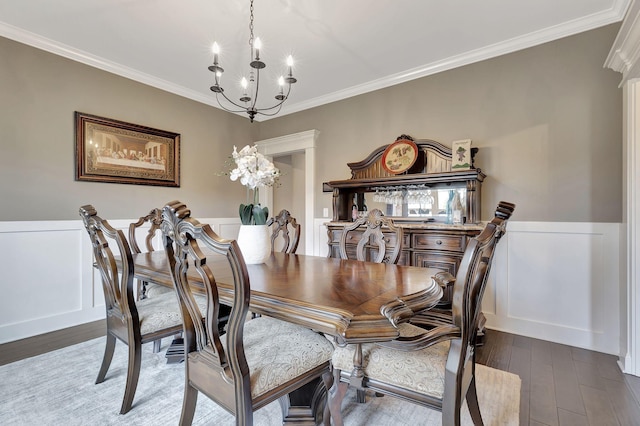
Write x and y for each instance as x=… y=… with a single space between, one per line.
x=254 y=243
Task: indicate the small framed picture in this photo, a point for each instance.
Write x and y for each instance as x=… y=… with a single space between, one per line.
x=399 y=156
x=461 y=155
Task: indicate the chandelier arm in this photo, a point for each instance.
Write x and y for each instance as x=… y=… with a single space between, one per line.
x=242 y=108
x=271 y=114
x=279 y=104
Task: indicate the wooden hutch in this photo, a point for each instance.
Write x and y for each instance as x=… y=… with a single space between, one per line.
x=428 y=240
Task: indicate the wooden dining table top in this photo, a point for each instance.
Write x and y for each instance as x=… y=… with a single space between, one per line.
x=354 y=301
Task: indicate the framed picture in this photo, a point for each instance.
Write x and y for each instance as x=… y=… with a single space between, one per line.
x=114 y=151
x=461 y=155
x=399 y=156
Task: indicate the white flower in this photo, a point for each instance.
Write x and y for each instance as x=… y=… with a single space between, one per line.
x=253 y=169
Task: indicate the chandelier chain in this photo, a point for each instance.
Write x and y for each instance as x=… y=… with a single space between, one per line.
x=251 y=27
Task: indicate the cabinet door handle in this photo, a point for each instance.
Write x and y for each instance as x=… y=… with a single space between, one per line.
x=387 y=240
x=438 y=242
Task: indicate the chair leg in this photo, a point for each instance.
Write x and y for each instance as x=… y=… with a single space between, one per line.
x=472 y=403
x=156 y=345
x=133 y=373
x=336 y=395
x=188 y=404
x=327 y=378
x=106 y=359
x=361 y=396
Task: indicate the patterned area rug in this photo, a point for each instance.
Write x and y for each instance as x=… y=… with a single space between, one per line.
x=58 y=388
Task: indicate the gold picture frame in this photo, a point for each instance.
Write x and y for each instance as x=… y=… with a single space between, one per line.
x=114 y=151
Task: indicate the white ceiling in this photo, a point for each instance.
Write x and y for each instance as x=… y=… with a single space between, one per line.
x=342 y=47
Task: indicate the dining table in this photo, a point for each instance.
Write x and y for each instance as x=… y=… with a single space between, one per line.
x=353 y=301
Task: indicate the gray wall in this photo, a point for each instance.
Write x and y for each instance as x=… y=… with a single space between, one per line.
x=547 y=120
x=39 y=93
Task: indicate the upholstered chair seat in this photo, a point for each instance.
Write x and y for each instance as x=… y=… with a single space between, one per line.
x=421 y=371
x=278 y=352
x=162 y=311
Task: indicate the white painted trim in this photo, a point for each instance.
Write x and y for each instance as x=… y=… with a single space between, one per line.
x=304 y=142
x=596 y=20
x=624 y=57
x=321 y=238
x=558 y=282
x=625 y=52
x=630 y=361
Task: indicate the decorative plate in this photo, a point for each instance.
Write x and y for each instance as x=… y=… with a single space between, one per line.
x=399 y=156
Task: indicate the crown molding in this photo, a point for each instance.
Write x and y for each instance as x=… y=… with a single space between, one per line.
x=625 y=53
x=612 y=15
x=615 y=14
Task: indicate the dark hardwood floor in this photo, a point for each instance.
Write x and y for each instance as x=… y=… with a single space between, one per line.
x=564 y=385
x=32 y=346
x=561 y=385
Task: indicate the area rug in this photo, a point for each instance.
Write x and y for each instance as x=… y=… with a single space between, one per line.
x=58 y=388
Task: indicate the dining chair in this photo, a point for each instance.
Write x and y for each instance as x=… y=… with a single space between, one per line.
x=257 y=361
x=434 y=367
x=285 y=228
x=374 y=243
x=133 y=322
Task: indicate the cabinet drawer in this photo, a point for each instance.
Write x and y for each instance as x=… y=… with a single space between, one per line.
x=352 y=237
x=439 y=242
x=390 y=239
x=445 y=263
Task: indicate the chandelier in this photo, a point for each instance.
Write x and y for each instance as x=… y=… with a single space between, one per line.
x=250 y=87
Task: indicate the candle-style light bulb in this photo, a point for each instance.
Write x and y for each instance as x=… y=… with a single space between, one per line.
x=216 y=49
x=290 y=78
x=280 y=96
x=244 y=83
x=257 y=45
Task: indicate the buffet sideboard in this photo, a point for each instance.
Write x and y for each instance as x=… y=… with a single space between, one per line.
x=418 y=203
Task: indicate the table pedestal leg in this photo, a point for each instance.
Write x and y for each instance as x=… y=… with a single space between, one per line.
x=306 y=405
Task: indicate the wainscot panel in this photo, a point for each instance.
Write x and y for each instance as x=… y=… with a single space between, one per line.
x=48 y=280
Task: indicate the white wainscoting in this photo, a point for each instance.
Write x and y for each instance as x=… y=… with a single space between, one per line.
x=553 y=281
x=559 y=282
x=48 y=282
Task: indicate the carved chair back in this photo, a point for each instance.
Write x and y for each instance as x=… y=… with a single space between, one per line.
x=471 y=279
x=285 y=228
x=222 y=365
x=154 y=219
x=117 y=282
x=373 y=238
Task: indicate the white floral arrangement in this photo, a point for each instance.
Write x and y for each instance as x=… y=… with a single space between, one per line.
x=254 y=171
